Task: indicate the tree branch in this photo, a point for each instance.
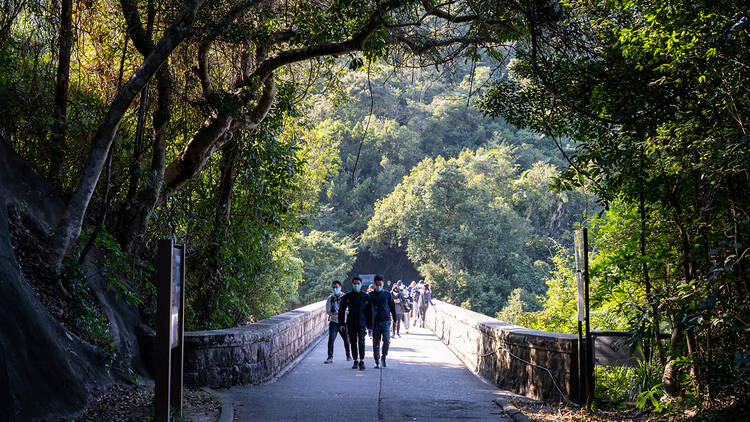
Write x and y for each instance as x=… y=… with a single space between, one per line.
x=72 y=219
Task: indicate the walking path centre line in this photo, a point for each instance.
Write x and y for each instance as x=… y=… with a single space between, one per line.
x=424 y=381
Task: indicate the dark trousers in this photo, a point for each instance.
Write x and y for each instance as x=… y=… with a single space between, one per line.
x=382 y=329
x=357 y=341
x=422 y=313
x=333 y=331
x=397 y=324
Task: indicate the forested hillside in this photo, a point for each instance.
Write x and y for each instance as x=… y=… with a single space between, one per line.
x=288 y=144
x=390 y=120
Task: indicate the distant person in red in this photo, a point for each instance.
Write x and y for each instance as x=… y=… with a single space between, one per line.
x=383 y=309
x=357 y=320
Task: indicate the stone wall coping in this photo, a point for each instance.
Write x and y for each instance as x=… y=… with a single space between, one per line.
x=251 y=332
x=510 y=333
x=508 y=355
x=252 y=353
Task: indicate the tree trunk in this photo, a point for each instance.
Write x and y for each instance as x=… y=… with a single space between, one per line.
x=210 y=137
x=134 y=220
x=59 y=117
x=671 y=376
x=229 y=151
x=136 y=169
x=204 y=300
x=72 y=220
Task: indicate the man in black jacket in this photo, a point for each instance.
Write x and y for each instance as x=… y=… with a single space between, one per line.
x=358 y=320
x=383 y=308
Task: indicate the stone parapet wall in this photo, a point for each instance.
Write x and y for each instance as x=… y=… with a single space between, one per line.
x=252 y=353
x=497 y=351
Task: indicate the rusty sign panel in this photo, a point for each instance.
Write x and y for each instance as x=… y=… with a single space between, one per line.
x=611 y=348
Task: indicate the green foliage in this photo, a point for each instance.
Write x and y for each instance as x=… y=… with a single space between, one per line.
x=245 y=269
x=115 y=268
x=628 y=384
x=326 y=256
x=558 y=305
x=86 y=315
x=653 y=95
x=652 y=397
x=415 y=115
x=461 y=222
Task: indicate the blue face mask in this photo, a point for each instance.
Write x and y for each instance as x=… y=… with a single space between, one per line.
x=356 y=287
x=336 y=290
x=378 y=288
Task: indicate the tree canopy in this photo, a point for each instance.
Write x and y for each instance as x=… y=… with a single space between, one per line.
x=474 y=226
x=283 y=140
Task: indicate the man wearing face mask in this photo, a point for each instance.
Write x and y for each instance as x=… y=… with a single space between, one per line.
x=384 y=308
x=334 y=328
x=358 y=320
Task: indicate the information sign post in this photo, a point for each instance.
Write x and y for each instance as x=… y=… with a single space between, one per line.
x=585 y=347
x=170 y=329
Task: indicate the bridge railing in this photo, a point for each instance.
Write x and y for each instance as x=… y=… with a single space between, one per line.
x=253 y=353
x=538 y=364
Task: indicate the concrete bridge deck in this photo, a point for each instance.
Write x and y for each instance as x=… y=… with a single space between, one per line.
x=424 y=381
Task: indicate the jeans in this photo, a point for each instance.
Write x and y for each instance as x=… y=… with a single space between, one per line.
x=397 y=324
x=416 y=315
x=357 y=341
x=406 y=320
x=333 y=331
x=422 y=313
x=382 y=329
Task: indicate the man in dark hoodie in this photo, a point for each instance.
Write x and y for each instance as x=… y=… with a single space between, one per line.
x=383 y=309
x=358 y=320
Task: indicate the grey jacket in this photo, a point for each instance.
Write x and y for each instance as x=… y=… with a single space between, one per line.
x=332 y=307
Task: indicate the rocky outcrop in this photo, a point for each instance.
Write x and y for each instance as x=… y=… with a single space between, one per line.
x=252 y=353
x=510 y=356
x=46 y=371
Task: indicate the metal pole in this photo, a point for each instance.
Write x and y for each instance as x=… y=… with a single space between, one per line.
x=581 y=365
x=162 y=376
x=589 y=340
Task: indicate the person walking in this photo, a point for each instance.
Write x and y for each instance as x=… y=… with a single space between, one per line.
x=333 y=303
x=416 y=293
x=398 y=300
x=425 y=300
x=357 y=321
x=383 y=309
x=406 y=303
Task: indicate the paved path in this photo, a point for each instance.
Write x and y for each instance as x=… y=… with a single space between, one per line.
x=424 y=381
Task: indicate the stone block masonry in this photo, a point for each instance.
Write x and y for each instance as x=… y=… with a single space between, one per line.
x=253 y=353
x=506 y=354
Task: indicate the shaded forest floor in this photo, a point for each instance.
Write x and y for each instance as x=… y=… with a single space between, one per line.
x=131 y=403
x=730 y=410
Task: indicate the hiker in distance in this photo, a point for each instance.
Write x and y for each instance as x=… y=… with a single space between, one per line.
x=359 y=319
x=334 y=328
x=384 y=308
x=425 y=300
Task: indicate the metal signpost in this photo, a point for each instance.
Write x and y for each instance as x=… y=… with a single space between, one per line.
x=585 y=349
x=170 y=329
